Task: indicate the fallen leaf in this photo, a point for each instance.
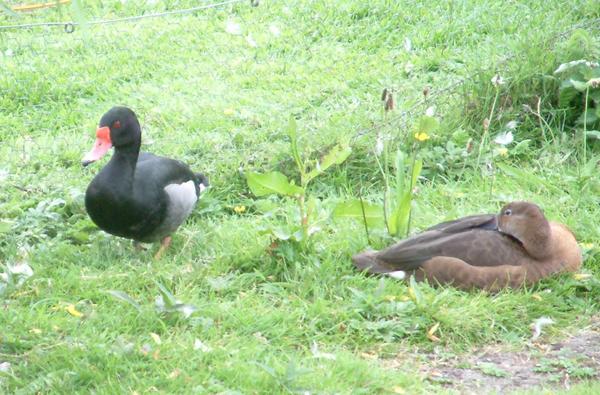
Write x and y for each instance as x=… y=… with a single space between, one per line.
x=156 y=354
x=71 y=309
x=537 y=297
x=431 y=333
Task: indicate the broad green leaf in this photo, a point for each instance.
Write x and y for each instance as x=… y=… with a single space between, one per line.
x=590 y=134
x=354 y=209
x=399 y=218
x=125 y=298
x=416 y=171
x=337 y=155
x=581 y=86
x=427 y=124
x=588 y=118
x=566 y=93
x=168 y=299
x=262 y=184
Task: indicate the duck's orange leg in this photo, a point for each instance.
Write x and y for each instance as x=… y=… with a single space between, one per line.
x=164 y=244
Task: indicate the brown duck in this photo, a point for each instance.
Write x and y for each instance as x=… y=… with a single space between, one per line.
x=518 y=246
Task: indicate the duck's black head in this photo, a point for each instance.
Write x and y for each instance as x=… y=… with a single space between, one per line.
x=118 y=128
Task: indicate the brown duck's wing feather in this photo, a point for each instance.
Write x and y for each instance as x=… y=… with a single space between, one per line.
x=477 y=247
x=482 y=221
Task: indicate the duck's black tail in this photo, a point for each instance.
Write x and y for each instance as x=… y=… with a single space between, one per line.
x=201 y=182
x=368 y=261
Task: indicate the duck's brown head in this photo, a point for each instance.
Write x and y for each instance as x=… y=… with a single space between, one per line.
x=526 y=222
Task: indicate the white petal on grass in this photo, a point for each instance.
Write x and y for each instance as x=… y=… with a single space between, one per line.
x=3 y=174
x=233 y=27
x=512 y=125
x=398 y=275
x=407 y=44
x=199 y=346
x=5 y=367
x=538 y=325
x=409 y=67
x=430 y=112
x=187 y=310
x=274 y=30
x=251 y=41
x=8 y=52
x=314 y=348
x=504 y=138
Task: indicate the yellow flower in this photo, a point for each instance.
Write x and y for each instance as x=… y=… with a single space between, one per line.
x=588 y=246
x=421 y=136
x=503 y=151
x=239 y=209
x=228 y=111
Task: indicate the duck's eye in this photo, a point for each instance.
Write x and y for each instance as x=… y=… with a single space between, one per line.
x=508 y=212
x=116 y=125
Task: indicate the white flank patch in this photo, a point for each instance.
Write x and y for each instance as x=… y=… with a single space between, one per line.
x=183 y=197
x=398 y=275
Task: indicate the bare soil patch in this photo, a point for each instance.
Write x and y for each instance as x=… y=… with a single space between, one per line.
x=496 y=369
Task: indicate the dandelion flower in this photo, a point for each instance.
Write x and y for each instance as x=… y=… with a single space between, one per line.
x=421 y=136
x=497 y=80
x=239 y=209
x=502 y=151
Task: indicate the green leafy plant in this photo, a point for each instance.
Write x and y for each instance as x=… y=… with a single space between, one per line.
x=276 y=183
x=400 y=182
x=579 y=90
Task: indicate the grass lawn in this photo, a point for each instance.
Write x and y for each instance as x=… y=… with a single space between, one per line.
x=216 y=89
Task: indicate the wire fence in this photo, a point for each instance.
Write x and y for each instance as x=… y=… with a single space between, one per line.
x=69 y=26
x=42 y=48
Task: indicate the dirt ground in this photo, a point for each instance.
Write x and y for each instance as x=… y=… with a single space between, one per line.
x=500 y=370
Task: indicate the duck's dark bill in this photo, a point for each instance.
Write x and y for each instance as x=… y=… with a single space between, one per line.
x=101 y=146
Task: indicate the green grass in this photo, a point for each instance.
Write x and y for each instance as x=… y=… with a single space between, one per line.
x=260 y=315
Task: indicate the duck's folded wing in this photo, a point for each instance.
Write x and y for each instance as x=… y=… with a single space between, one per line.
x=156 y=172
x=482 y=221
x=472 y=239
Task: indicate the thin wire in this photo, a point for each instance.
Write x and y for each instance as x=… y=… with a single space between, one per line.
x=71 y=24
